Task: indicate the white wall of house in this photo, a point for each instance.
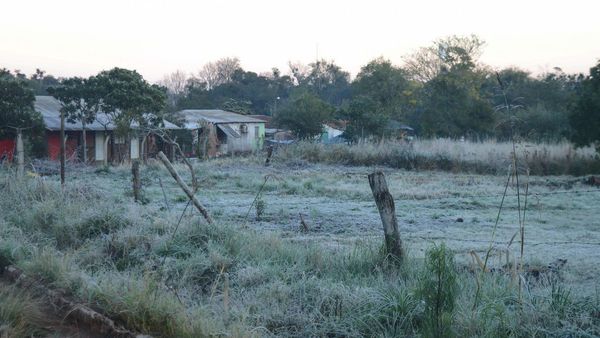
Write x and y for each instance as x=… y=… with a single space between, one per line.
x=247 y=141
x=99 y=154
x=135 y=148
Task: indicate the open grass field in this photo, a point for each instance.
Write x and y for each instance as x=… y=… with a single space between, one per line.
x=158 y=270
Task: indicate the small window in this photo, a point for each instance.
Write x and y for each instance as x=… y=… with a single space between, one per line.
x=243 y=128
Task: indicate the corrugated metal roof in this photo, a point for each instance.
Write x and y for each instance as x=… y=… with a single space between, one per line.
x=228 y=130
x=49 y=107
x=193 y=117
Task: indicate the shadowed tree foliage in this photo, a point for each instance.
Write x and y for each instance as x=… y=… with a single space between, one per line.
x=453 y=106
x=381 y=92
x=304 y=115
x=366 y=118
x=585 y=117
x=17 y=113
x=245 y=93
x=541 y=103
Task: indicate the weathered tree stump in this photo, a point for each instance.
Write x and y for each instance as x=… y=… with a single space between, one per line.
x=184 y=187
x=387 y=211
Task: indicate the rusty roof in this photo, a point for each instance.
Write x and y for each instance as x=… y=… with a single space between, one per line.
x=193 y=117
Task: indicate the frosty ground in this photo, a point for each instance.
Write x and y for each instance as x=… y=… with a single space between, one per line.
x=560 y=219
x=156 y=269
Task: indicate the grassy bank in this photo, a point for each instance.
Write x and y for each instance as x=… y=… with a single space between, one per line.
x=487 y=157
x=139 y=265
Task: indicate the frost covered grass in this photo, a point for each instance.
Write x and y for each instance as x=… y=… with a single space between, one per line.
x=265 y=277
x=485 y=157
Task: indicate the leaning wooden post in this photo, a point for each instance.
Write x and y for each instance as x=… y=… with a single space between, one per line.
x=20 y=154
x=137 y=182
x=387 y=211
x=184 y=186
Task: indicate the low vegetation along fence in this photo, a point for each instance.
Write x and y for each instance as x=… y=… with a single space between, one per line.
x=487 y=157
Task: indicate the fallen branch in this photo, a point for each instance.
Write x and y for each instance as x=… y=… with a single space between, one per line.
x=73 y=312
x=184 y=187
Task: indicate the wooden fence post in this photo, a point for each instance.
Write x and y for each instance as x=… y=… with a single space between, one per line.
x=269 y=154
x=184 y=187
x=137 y=182
x=387 y=211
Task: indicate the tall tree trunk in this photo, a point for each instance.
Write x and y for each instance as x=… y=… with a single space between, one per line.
x=20 y=153
x=106 y=147
x=143 y=149
x=137 y=182
x=85 y=157
x=62 y=147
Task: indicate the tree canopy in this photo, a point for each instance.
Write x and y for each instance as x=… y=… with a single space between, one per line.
x=127 y=97
x=304 y=115
x=585 y=117
x=16 y=104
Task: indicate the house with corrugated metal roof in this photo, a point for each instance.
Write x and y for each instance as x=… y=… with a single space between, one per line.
x=219 y=132
x=101 y=141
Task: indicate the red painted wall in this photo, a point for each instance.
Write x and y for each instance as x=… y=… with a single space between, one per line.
x=7 y=148
x=54 y=145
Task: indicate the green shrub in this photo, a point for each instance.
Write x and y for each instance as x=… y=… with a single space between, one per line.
x=438 y=290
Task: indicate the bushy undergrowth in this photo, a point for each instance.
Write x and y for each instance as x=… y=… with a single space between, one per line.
x=488 y=157
x=128 y=262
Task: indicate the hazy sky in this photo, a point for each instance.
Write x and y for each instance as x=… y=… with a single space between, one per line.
x=82 y=37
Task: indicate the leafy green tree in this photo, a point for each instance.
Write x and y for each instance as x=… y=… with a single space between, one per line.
x=585 y=117
x=128 y=98
x=539 y=105
x=81 y=100
x=453 y=101
x=444 y=55
x=366 y=119
x=324 y=79
x=453 y=105
x=17 y=114
x=381 y=92
x=245 y=92
x=304 y=115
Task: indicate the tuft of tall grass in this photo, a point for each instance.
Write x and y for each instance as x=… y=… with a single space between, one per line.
x=21 y=315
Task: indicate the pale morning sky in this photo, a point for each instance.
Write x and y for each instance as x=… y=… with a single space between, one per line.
x=77 y=37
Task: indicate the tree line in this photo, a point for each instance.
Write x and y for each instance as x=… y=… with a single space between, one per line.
x=442 y=90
